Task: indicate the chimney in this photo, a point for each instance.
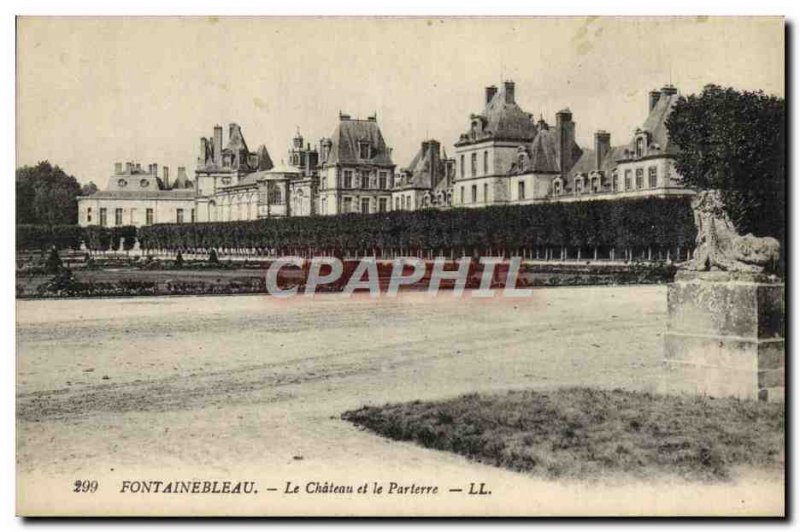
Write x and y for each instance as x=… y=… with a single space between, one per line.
x=491 y=90
x=343 y=116
x=155 y=169
x=218 y=145
x=128 y=168
x=509 y=89
x=181 y=174
x=165 y=171
x=653 y=99
x=138 y=168
x=668 y=90
x=203 y=151
x=232 y=128
x=602 y=144
x=117 y=168
x=565 y=128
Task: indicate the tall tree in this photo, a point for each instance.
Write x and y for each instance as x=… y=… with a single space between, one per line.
x=46 y=195
x=734 y=141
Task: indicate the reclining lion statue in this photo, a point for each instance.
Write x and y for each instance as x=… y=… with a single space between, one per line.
x=719 y=247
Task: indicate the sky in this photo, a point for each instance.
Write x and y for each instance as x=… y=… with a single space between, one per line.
x=94 y=91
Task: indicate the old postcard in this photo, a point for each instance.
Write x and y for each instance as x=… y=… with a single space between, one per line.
x=464 y=266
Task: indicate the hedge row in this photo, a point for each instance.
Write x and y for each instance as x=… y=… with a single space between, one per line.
x=623 y=224
x=41 y=237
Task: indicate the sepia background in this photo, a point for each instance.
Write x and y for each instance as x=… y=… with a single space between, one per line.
x=92 y=91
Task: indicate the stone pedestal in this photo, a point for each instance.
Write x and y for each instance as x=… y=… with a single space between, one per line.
x=725 y=335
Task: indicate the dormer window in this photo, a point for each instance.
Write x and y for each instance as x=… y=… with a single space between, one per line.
x=640 y=147
x=122 y=183
x=364 y=150
x=557 y=187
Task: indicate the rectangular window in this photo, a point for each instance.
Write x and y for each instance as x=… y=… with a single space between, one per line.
x=382 y=180
x=148 y=214
x=382 y=205
x=474 y=192
x=627 y=179
x=486 y=193
x=103 y=217
x=615 y=183
x=639 y=148
x=365 y=178
x=462 y=166
x=347 y=204
x=652 y=177
x=179 y=216
x=133 y=217
x=474 y=164
x=462 y=194
x=117 y=216
x=521 y=190
x=364 y=150
x=639 y=178
x=485 y=162
x=89 y=215
x=324 y=183
x=397 y=204
x=194 y=217
x=348 y=179
x=365 y=205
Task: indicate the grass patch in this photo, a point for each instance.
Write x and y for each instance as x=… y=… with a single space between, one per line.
x=588 y=433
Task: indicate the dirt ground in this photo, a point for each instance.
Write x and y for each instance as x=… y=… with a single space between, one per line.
x=252 y=387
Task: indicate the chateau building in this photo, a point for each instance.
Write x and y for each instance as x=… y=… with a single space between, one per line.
x=486 y=152
x=134 y=196
x=553 y=167
x=356 y=169
x=505 y=157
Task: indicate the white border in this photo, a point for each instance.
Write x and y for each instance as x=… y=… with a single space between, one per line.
x=787 y=8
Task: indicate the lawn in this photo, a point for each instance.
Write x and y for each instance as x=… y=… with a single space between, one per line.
x=586 y=433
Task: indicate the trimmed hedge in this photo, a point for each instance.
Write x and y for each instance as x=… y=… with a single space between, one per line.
x=623 y=224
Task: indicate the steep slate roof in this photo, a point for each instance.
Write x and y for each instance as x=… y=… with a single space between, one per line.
x=236 y=141
x=545 y=154
x=503 y=120
x=587 y=162
x=656 y=125
x=420 y=170
x=182 y=181
x=264 y=160
x=348 y=133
